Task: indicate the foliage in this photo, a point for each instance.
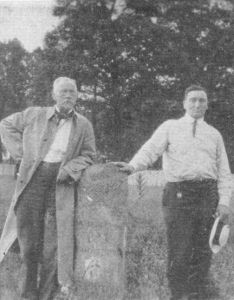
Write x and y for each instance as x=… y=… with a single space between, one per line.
x=138 y=64
x=14 y=77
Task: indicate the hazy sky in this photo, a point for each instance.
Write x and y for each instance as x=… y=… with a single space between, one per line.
x=26 y=20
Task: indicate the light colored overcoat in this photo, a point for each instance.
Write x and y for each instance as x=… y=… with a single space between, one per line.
x=27 y=136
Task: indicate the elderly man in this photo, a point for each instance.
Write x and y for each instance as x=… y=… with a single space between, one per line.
x=54 y=145
x=199 y=185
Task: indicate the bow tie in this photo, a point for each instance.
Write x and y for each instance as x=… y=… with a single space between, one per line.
x=63 y=116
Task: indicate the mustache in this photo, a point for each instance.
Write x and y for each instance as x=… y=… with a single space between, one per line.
x=68 y=101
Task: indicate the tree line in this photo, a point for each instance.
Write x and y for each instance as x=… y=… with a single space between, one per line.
x=134 y=68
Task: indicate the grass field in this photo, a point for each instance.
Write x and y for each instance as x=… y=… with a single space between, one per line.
x=9 y=268
x=146 y=258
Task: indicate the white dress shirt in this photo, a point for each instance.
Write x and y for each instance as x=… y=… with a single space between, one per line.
x=188 y=157
x=59 y=145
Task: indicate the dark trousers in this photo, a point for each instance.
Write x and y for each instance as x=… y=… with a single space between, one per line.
x=35 y=213
x=188 y=211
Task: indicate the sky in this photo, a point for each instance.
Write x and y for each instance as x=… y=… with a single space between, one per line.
x=26 y=20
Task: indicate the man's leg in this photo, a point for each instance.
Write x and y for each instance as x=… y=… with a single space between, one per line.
x=201 y=258
x=179 y=233
x=30 y=212
x=48 y=273
x=30 y=216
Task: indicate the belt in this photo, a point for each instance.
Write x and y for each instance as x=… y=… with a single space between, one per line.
x=200 y=181
x=197 y=184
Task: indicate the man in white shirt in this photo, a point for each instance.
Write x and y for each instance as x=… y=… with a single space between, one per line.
x=196 y=168
x=54 y=144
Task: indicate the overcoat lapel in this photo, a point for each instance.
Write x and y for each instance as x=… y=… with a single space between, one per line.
x=44 y=145
x=47 y=137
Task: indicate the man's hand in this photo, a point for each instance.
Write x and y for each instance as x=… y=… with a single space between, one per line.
x=124 y=167
x=64 y=177
x=223 y=212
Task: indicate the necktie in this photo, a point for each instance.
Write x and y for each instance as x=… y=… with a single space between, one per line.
x=194 y=127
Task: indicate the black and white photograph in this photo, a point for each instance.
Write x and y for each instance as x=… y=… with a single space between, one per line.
x=116 y=149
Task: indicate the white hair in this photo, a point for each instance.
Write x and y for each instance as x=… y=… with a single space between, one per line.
x=60 y=80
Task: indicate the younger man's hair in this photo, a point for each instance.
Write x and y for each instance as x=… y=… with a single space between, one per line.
x=194 y=87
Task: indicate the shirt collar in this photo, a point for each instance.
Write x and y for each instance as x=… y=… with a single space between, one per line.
x=51 y=110
x=58 y=110
x=190 y=119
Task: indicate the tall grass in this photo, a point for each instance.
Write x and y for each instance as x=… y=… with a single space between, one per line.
x=146 y=258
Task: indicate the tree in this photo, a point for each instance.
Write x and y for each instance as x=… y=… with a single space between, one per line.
x=14 y=77
x=141 y=63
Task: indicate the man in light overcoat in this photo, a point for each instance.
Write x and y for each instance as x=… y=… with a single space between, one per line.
x=54 y=144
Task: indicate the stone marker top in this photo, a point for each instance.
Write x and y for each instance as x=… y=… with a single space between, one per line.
x=112 y=192
x=104 y=185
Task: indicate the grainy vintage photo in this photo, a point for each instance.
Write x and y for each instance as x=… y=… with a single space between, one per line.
x=116 y=149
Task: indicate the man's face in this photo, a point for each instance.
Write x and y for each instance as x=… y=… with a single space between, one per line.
x=196 y=104
x=65 y=96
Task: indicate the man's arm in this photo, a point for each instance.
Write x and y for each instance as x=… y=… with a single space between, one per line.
x=11 y=131
x=149 y=152
x=224 y=181
x=75 y=166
